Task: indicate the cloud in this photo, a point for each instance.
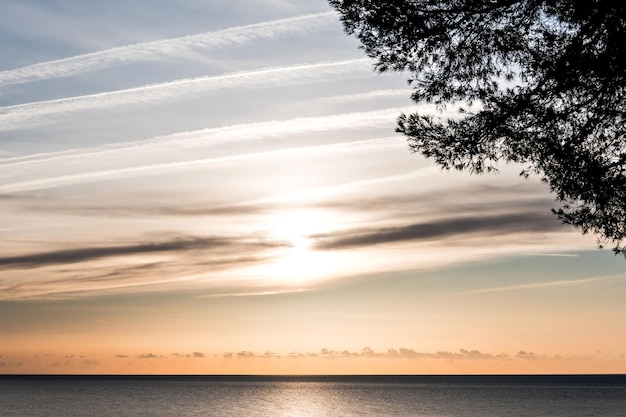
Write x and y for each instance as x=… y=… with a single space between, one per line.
x=448 y=200
x=89 y=363
x=341 y=189
x=552 y=255
x=257 y=293
x=531 y=356
x=202 y=138
x=364 y=146
x=149 y=356
x=141 y=210
x=181 y=269
x=369 y=353
x=256 y=206
x=70 y=256
x=11 y=364
x=437 y=229
x=549 y=284
x=150 y=51
x=527 y=355
x=246 y=354
x=404 y=353
x=53 y=169
x=483 y=199
x=33 y=114
x=195 y=355
x=360 y=97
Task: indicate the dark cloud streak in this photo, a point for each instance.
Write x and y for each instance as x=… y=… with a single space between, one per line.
x=70 y=256
x=437 y=229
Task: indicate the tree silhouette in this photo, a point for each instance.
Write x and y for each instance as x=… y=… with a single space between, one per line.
x=540 y=83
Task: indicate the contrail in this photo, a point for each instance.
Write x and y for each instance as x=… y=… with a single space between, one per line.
x=150 y=51
x=340 y=189
x=362 y=146
x=204 y=138
x=359 y=97
x=32 y=114
x=549 y=284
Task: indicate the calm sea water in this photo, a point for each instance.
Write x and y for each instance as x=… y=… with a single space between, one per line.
x=308 y=396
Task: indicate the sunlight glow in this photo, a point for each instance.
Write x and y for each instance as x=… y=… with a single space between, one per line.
x=298 y=262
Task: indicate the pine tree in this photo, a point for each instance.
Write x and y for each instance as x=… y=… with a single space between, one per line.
x=539 y=83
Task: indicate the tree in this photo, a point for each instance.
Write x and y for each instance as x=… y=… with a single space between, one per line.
x=539 y=82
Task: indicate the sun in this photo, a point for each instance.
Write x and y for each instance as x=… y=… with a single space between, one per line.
x=298 y=261
x=295 y=263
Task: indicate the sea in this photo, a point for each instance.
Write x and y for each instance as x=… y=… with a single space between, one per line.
x=314 y=396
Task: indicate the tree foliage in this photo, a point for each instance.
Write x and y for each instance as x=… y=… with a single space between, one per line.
x=541 y=83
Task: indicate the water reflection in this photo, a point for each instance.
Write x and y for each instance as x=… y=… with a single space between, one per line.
x=250 y=396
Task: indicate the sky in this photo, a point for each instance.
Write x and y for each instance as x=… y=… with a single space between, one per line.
x=216 y=187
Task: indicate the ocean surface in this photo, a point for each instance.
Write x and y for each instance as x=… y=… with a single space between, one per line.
x=313 y=396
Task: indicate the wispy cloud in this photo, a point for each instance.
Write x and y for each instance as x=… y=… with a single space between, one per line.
x=150 y=51
x=209 y=137
x=360 y=97
x=552 y=255
x=259 y=293
x=407 y=206
x=120 y=209
x=92 y=164
x=481 y=198
x=174 y=270
x=457 y=201
x=339 y=189
x=87 y=176
x=249 y=207
x=437 y=229
x=147 y=169
x=549 y=284
x=33 y=114
x=69 y=256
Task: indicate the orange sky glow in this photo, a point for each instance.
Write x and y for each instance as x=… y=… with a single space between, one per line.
x=217 y=188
